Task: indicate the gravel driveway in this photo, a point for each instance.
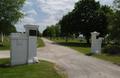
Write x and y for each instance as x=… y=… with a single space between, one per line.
x=76 y=64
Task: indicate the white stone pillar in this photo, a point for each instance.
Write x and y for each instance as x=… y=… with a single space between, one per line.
x=98 y=46
x=31 y=31
x=94 y=42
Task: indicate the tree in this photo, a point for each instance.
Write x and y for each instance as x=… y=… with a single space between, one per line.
x=116 y=3
x=10 y=11
x=66 y=25
x=57 y=29
x=10 y=29
x=115 y=28
x=38 y=33
x=50 y=31
x=85 y=14
x=89 y=18
x=114 y=22
x=45 y=33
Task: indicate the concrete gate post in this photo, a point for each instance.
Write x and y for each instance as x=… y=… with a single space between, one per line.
x=94 y=42
x=31 y=31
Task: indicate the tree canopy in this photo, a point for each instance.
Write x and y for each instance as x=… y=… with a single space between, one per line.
x=87 y=16
x=114 y=22
x=52 y=31
x=10 y=11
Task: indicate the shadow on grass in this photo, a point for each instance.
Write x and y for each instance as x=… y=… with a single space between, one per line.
x=73 y=44
x=5 y=63
x=89 y=54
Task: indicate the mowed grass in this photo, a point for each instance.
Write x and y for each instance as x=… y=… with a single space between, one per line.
x=40 y=42
x=43 y=69
x=86 y=48
x=7 y=44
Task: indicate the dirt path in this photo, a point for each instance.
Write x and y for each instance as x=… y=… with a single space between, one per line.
x=76 y=64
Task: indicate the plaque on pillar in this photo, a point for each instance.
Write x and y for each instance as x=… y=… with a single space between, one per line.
x=32 y=33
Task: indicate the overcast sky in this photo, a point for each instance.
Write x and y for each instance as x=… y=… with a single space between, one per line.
x=48 y=12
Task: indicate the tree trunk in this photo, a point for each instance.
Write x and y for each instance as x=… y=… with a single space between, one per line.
x=66 y=39
x=1 y=37
x=88 y=37
x=88 y=42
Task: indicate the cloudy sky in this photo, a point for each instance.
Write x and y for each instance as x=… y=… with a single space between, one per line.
x=48 y=12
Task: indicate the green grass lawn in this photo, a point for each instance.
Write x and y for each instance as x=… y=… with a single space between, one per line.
x=86 y=48
x=40 y=42
x=7 y=44
x=43 y=69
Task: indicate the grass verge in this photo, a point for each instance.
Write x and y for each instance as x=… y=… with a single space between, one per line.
x=40 y=42
x=43 y=69
x=85 y=49
x=6 y=44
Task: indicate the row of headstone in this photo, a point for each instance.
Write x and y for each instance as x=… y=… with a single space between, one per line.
x=61 y=38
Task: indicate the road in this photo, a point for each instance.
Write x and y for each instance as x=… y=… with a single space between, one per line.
x=74 y=63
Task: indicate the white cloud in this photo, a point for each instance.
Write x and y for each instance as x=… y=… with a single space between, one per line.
x=105 y=2
x=29 y=3
x=26 y=20
x=42 y=26
x=56 y=9
x=55 y=6
x=29 y=20
x=32 y=11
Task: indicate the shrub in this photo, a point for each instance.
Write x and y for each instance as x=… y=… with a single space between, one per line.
x=112 y=50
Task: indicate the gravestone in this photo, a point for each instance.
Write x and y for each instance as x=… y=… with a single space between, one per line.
x=81 y=38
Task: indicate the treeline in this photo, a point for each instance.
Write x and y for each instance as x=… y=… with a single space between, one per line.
x=86 y=17
x=52 y=31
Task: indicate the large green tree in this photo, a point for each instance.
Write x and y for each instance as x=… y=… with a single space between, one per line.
x=86 y=17
x=66 y=25
x=89 y=17
x=50 y=31
x=115 y=29
x=116 y=3
x=10 y=11
x=38 y=33
x=57 y=29
x=115 y=21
